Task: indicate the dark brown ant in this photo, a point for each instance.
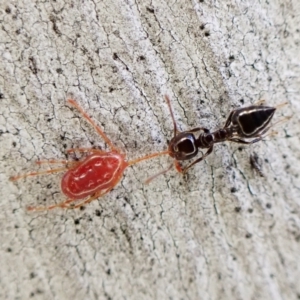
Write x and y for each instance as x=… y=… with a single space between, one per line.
x=247 y=125
x=250 y=122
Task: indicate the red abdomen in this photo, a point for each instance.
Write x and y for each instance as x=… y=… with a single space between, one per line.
x=98 y=171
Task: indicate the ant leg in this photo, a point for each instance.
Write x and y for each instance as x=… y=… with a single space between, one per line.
x=209 y=151
x=228 y=121
x=172 y=115
x=240 y=141
x=96 y=127
x=14 y=178
x=198 y=129
x=281 y=104
x=259 y=102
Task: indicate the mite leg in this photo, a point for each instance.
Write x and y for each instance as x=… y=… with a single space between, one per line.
x=69 y=202
x=91 y=198
x=146 y=157
x=158 y=174
x=83 y=150
x=43 y=208
x=14 y=178
x=96 y=127
x=209 y=151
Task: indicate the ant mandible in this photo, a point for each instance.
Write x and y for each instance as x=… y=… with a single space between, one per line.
x=93 y=176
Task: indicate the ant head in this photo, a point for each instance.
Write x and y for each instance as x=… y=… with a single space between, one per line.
x=183 y=146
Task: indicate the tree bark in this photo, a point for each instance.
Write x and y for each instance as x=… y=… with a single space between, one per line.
x=220 y=232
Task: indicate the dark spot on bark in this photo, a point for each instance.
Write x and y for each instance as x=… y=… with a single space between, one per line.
x=242 y=101
x=54 y=25
x=142 y=57
x=202 y=26
x=32 y=275
x=8 y=10
x=240 y=148
x=14 y=144
x=248 y=235
x=112 y=230
x=115 y=56
x=250 y=210
x=9 y=250
x=233 y=190
x=76 y=222
x=268 y=205
x=207 y=34
x=77 y=231
x=59 y=71
x=49 y=186
x=82 y=208
x=33 y=65
x=231 y=57
x=108 y=272
x=1 y=96
x=111 y=89
x=237 y=209
x=149 y=9
x=97 y=212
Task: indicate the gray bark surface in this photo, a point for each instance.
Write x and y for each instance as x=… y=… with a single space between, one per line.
x=222 y=231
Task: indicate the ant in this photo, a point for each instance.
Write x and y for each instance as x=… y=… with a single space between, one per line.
x=246 y=125
x=93 y=176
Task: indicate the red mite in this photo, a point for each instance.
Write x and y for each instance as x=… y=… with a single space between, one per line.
x=93 y=176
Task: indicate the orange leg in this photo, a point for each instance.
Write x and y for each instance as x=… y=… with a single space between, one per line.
x=88 y=200
x=146 y=157
x=85 y=150
x=55 y=161
x=158 y=174
x=68 y=203
x=96 y=127
x=14 y=178
x=43 y=208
